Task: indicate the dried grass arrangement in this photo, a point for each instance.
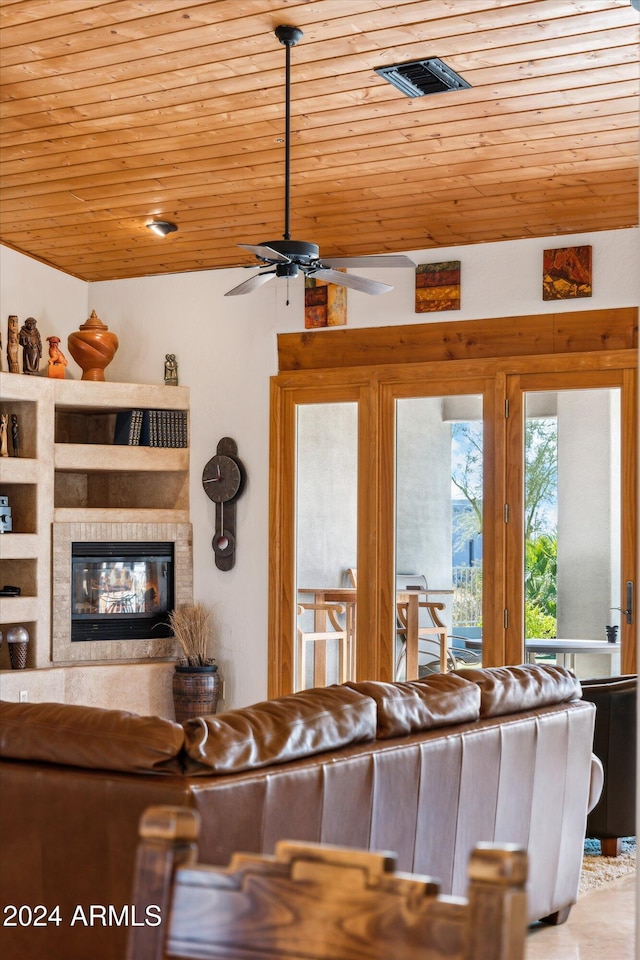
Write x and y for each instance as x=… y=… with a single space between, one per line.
x=191 y=628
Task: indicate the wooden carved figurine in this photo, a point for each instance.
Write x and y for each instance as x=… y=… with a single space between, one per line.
x=57 y=359
x=31 y=343
x=4 y=448
x=171 y=370
x=13 y=345
x=15 y=435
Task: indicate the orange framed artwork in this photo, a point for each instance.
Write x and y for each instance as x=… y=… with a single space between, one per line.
x=438 y=286
x=325 y=304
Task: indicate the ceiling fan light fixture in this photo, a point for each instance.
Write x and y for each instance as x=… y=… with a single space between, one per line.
x=419 y=78
x=287 y=258
x=162 y=227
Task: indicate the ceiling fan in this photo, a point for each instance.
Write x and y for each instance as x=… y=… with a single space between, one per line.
x=287 y=257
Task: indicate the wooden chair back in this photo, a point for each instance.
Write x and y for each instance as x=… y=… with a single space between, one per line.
x=331 y=630
x=316 y=902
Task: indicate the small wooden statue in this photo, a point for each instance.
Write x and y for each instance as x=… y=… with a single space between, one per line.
x=13 y=344
x=31 y=343
x=4 y=447
x=170 y=370
x=57 y=359
x=15 y=435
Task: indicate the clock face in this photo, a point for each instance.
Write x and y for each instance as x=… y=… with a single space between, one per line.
x=221 y=478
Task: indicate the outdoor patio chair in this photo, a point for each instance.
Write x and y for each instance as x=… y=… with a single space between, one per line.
x=327 y=630
x=429 y=628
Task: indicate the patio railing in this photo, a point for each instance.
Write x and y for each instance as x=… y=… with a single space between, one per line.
x=467 y=596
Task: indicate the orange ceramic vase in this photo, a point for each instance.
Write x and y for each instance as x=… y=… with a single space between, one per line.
x=93 y=347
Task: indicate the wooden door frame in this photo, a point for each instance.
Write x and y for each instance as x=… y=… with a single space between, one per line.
x=584 y=341
x=412 y=387
x=285 y=398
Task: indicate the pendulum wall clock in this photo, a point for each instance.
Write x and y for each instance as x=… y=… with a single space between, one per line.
x=223 y=479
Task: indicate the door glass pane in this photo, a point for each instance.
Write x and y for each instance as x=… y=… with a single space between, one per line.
x=572 y=529
x=439 y=477
x=326 y=543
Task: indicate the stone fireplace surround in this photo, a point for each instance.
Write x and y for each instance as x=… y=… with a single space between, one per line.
x=97 y=651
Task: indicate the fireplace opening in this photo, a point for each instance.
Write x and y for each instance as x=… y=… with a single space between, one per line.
x=121 y=591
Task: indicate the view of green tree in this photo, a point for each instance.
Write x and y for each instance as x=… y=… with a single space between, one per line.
x=541 y=473
x=466 y=474
x=541 y=477
x=541 y=561
x=540 y=586
x=537 y=623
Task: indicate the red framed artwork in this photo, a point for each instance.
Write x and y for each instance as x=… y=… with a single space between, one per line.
x=566 y=273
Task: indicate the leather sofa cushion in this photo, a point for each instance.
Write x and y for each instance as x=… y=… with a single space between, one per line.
x=514 y=689
x=408 y=707
x=275 y=731
x=89 y=737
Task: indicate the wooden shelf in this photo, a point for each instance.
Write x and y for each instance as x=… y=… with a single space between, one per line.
x=87 y=396
x=118 y=515
x=102 y=458
x=18 y=470
x=16 y=546
x=18 y=609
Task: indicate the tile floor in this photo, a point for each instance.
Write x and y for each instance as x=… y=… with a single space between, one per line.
x=601 y=926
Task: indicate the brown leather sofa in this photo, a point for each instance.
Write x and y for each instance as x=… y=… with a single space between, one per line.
x=426 y=769
x=614 y=816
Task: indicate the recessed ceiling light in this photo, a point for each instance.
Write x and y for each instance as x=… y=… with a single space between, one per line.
x=162 y=227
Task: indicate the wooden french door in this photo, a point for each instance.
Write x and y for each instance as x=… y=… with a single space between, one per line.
x=324 y=456
x=559 y=358
x=423 y=423
x=593 y=512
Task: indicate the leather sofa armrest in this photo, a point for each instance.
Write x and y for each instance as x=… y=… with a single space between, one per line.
x=596 y=782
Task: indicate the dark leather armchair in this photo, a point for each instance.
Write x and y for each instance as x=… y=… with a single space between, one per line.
x=613 y=817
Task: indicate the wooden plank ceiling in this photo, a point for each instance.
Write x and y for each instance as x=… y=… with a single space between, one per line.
x=118 y=111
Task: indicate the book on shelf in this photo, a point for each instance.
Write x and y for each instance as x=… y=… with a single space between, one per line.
x=164 y=428
x=128 y=427
x=151 y=428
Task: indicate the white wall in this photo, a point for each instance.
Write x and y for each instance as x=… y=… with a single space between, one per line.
x=226 y=349
x=29 y=288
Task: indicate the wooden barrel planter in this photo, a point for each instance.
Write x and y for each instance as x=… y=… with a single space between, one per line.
x=196 y=691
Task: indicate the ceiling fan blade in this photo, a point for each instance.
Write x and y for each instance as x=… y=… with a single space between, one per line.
x=265 y=253
x=392 y=260
x=248 y=286
x=363 y=284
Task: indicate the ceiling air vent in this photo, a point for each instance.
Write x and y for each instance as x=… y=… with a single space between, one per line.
x=418 y=78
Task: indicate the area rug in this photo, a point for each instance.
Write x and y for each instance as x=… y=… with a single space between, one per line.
x=597 y=869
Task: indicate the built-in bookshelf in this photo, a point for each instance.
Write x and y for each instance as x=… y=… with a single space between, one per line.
x=70 y=469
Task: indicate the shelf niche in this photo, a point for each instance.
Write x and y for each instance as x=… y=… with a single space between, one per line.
x=5 y=660
x=122 y=490
x=20 y=573
x=23 y=503
x=26 y=412
x=82 y=427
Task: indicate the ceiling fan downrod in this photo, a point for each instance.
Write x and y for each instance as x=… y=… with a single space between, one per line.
x=288 y=36
x=287 y=258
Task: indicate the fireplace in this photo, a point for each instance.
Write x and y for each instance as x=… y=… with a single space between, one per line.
x=121 y=591
x=113 y=585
